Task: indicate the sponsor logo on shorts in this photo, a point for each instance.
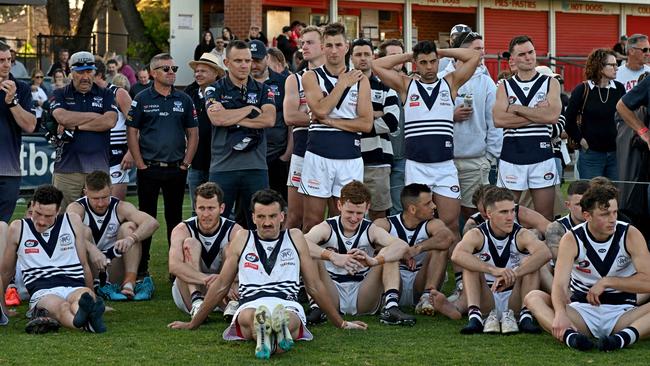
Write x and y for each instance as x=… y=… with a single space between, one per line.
x=251 y=257
x=313 y=183
x=549 y=176
x=544 y=145
x=449 y=144
x=295 y=177
x=31 y=243
x=455 y=189
x=623 y=261
x=116 y=174
x=31 y=250
x=511 y=179
x=484 y=257
x=251 y=265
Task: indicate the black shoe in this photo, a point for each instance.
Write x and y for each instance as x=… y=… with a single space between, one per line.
x=395 y=316
x=526 y=325
x=86 y=303
x=609 y=343
x=316 y=316
x=41 y=325
x=95 y=318
x=473 y=326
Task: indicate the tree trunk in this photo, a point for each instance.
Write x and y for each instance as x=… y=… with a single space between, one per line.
x=58 y=17
x=142 y=43
x=87 y=18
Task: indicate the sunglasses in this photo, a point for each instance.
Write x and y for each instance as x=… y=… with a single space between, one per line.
x=644 y=49
x=167 y=68
x=38 y=77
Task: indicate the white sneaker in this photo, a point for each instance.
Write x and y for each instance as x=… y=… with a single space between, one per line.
x=230 y=310
x=281 y=327
x=457 y=292
x=424 y=306
x=196 y=306
x=508 y=322
x=262 y=326
x=491 y=324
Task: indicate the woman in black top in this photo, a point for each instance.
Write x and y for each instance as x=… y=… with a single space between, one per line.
x=597 y=133
x=206 y=45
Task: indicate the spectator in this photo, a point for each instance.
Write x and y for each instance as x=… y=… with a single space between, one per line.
x=16 y=116
x=59 y=80
x=125 y=69
x=61 y=64
x=638 y=55
x=206 y=72
x=239 y=107
x=296 y=29
x=143 y=82
x=91 y=112
x=111 y=70
x=279 y=142
x=597 y=132
x=620 y=49
x=299 y=61
x=277 y=62
x=227 y=35
x=18 y=70
x=162 y=137
x=219 y=51
x=206 y=44
x=255 y=33
x=453 y=34
x=284 y=43
x=39 y=96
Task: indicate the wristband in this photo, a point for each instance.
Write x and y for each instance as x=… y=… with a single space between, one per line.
x=641 y=131
x=380 y=260
x=325 y=255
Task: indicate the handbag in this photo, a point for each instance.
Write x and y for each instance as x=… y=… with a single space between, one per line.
x=571 y=143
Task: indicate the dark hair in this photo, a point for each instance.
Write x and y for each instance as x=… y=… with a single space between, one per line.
x=209 y=190
x=267 y=197
x=355 y=192
x=4 y=47
x=277 y=55
x=360 y=43
x=479 y=193
x=295 y=23
x=64 y=50
x=517 y=41
x=497 y=194
x=211 y=42
x=112 y=62
x=596 y=63
x=48 y=194
x=411 y=193
x=601 y=181
x=389 y=42
x=236 y=44
x=159 y=57
x=424 y=48
x=286 y=29
x=101 y=69
x=598 y=196
x=334 y=29
x=465 y=38
x=98 y=180
x=578 y=187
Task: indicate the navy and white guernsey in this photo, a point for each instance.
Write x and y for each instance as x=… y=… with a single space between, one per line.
x=269 y=268
x=330 y=142
x=103 y=227
x=376 y=148
x=596 y=260
x=299 y=132
x=339 y=243
x=429 y=122
x=499 y=252
x=411 y=237
x=49 y=259
x=118 y=133
x=212 y=245
x=532 y=143
x=567 y=222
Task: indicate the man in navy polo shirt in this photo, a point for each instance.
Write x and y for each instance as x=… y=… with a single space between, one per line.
x=239 y=108
x=162 y=137
x=278 y=151
x=91 y=112
x=16 y=115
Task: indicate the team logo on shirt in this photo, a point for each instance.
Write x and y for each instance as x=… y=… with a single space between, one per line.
x=484 y=257
x=512 y=99
x=98 y=102
x=623 y=261
x=376 y=96
x=65 y=239
x=252 y=257
x=444 y=96
x=178 y=106
x=286 y=254
x=414 y=97
x=134 y=103
x=31 y=243
x=582 y=266
x=252 y=98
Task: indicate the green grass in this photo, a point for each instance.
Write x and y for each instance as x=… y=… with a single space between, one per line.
x=137 y=334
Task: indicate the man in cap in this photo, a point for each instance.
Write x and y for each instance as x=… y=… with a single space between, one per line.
x=453 y=34
x=206 y=72
x=90 y=111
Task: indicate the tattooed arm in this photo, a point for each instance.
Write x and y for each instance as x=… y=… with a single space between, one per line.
x=554 y=233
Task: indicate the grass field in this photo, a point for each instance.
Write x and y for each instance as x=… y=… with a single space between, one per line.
x=137 y=334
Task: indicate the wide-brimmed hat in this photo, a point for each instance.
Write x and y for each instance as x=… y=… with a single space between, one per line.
x=208 y=59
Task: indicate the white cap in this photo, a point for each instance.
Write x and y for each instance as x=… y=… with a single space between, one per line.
x=459 y=28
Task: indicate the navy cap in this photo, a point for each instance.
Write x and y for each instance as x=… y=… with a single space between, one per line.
x=258 y=49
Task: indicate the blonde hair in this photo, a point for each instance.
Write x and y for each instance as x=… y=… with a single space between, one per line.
x=121 y=81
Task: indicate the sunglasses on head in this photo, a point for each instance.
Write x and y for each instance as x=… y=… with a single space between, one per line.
x=167 y=68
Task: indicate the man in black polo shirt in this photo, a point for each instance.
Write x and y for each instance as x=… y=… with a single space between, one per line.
x=239 y=108
x=278 y=151
x=90 y=111
x=206 y=72
x=162 y=137
x=16 y=115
